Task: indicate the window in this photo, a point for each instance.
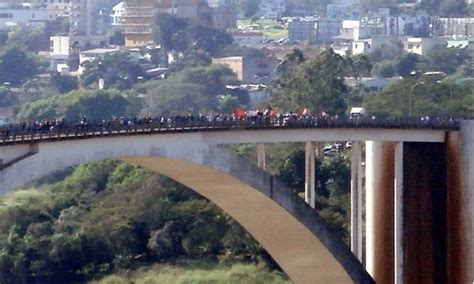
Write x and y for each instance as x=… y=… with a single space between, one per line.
x=6 y=15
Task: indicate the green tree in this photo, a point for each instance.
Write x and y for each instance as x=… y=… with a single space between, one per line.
x=290 y=62
x=384 y=69
x=117 y=38
x=446 y=60
x=361 y=65
x=407 y=63
x=317 y=84
x=118 y=70
x=17 y=65
x=30 y=38
x=428 y=98
x=64 y=84
x=96 y=105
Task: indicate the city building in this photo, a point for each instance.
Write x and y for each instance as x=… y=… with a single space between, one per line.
x=60 y=51
x=372 y=85
x=251 y=69
x=408 y=24
x=467 y=44
x=10 y=17
x=193 y=10
x=422 y=46
x=367 y=46
x=327 y=30
x=453 y=27
x=117 y=13
x=247 y=38
x=94 y=54
x=55 y=8
x=339 y=11
x=89 y=22
x=137 y=22
x=272 y=9
x=303 y=30
x=361 y=29
x=224 y=13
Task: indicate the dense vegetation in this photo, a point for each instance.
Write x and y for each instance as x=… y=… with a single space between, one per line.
x=196 y=272
x=107 y=216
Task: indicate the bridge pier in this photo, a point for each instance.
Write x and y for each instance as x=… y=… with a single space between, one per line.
x=398 y=213
x=356 y=200
x=460 y=204
x=419 y=210
x=379 y=207
x=467 y=191
x=310 y=179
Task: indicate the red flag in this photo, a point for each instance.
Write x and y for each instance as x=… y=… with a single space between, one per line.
x=239 y=113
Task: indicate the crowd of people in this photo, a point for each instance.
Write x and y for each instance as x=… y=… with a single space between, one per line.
x=238 y=118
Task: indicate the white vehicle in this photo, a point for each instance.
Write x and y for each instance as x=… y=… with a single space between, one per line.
x=357 y=112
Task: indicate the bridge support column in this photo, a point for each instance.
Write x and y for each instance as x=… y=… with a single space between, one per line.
x=310 y=168
x=379 y=227
x=261 y=156
x=467 y=188
x=460 y=204
x=398 y=214
x=356 y=200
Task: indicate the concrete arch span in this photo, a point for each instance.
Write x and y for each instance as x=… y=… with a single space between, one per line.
x=278 y=219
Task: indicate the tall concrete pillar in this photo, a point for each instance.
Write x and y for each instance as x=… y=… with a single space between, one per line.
x=466 y=207
x=424 y=213
x=398 y=214
x=379 y=193
x=261 y=156
x=356 y=200
x=309 y=181
x=459 y=217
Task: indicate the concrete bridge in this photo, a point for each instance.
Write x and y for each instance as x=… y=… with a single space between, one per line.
x=419 y=193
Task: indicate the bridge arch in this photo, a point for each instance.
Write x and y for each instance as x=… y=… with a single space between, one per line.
x=277 y=218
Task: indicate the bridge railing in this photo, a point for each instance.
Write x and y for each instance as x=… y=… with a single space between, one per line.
x=23 y=133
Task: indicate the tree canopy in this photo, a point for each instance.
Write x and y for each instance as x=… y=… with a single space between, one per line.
x=117 y=70
x=428 y=97
x=178 y=34
x=17 y=65
x=316 y=84
x=108 y=216
x=96 y=105
x=192 y=90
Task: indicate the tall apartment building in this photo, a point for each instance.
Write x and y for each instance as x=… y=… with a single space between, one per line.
x=219 y=14
x=87 y=22
x=304 y=30
x=138 y=22
x=224 y=15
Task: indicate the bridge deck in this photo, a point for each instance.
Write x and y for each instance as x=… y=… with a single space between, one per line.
x=18 y=135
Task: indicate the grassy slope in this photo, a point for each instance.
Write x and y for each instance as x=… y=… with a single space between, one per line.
x=195 y=273
x=266 y=28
